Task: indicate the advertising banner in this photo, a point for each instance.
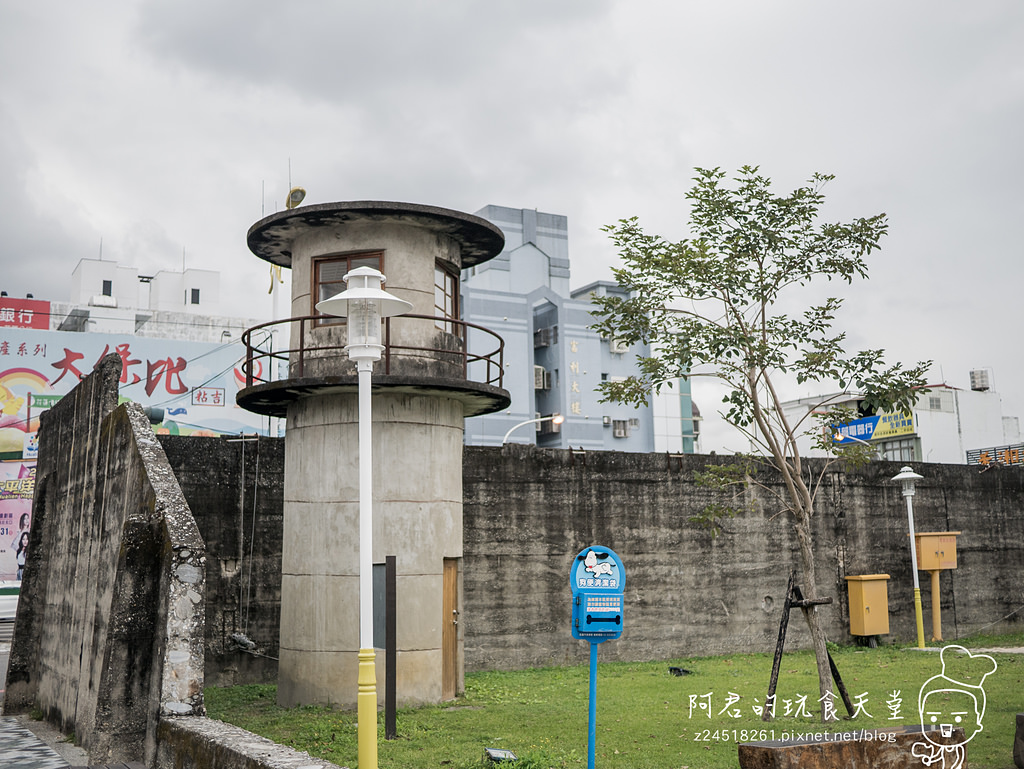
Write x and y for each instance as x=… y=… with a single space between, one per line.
x=193 y=383
x=17 y=484
x=877 y=427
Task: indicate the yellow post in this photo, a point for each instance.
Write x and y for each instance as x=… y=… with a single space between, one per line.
x=936 y=607
x=366 y=710
x=920 y=618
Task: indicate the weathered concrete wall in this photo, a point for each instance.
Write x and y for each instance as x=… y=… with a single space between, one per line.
x=201 y=743
x=109 y=635
x=528 y=511
x=234 y=488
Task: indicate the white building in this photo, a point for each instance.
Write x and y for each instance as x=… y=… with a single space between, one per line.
x=948 y=424
x=108 y=297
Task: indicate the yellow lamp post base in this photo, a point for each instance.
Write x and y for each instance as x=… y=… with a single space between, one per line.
x=919 y=617
x=366 y=710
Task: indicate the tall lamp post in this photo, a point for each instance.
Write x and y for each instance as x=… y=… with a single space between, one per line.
x=364 y=303
x=907 y=477
x=556 y=419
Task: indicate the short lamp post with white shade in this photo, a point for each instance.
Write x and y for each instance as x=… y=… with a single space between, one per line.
x=907 y=478
x=364 y=303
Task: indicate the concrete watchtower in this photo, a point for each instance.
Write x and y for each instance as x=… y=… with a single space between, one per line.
x=426 y=383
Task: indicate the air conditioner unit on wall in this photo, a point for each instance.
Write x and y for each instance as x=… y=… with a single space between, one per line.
x=980 y=381
x=545 y=337
x=618 y=347
x=541 y=378
x=549 y=426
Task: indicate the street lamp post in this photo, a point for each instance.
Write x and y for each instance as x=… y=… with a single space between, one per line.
x=553 y=418
x=364 y=303
x=907 y=477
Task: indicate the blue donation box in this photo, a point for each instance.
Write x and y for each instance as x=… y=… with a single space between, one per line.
x=597 y=580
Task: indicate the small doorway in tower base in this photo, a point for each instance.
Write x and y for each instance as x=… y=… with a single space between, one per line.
x=450 y=630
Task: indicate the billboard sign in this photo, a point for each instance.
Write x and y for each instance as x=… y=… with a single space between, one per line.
x=194 y=383
x=878 y=427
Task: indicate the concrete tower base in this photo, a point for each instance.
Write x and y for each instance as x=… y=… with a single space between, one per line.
x=417 y=517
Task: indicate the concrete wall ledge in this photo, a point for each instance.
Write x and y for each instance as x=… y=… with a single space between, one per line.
x=841 y=746
x=203 y=743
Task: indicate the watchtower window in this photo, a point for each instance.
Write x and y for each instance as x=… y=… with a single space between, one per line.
x=108 y=288
x=329 y=273
x=446 y=299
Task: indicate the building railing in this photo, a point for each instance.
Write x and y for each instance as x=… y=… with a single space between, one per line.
x=262 y=360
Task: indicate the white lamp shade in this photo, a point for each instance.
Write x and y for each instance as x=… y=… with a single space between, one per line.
x=364 y=303
x=907 y=478
x=364 y=283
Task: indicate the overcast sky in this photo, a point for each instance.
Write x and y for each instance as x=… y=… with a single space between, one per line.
x=167 y=128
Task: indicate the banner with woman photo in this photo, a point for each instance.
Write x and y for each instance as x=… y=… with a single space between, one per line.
x=17 y=484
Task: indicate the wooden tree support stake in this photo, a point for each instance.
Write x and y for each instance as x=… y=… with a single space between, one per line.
x=796 y=600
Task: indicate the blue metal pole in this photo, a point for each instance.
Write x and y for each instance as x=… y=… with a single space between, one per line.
x=592 y=725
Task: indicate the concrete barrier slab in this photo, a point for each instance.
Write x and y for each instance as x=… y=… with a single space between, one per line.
x=839 y=746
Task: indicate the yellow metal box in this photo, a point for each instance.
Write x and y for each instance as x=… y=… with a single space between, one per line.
x=936 y=550
x=869 y=604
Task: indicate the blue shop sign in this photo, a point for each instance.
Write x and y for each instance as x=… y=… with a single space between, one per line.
x=882 y=426
x=597 y=580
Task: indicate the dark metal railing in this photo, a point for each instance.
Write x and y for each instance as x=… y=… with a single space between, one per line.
x=261 y=352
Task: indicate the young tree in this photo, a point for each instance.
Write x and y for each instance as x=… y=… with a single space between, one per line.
x=720 y=304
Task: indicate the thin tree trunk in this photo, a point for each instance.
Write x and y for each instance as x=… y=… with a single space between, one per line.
x=810 y=590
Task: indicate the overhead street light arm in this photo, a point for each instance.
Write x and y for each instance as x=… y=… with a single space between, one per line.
x=840 y=438
x=553 y=418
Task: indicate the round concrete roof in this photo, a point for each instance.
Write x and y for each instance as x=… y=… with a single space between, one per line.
x=271 y=238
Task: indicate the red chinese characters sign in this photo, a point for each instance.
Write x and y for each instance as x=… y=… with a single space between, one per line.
x=193 y=383
x=208 y=396
x=24 y=313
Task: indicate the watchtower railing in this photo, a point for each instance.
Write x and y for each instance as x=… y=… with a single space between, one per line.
x=262 y=352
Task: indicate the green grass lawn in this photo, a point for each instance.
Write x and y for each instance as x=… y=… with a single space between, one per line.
x=645 y=716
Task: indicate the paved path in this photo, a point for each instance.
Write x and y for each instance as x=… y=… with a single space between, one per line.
x=21 y=749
